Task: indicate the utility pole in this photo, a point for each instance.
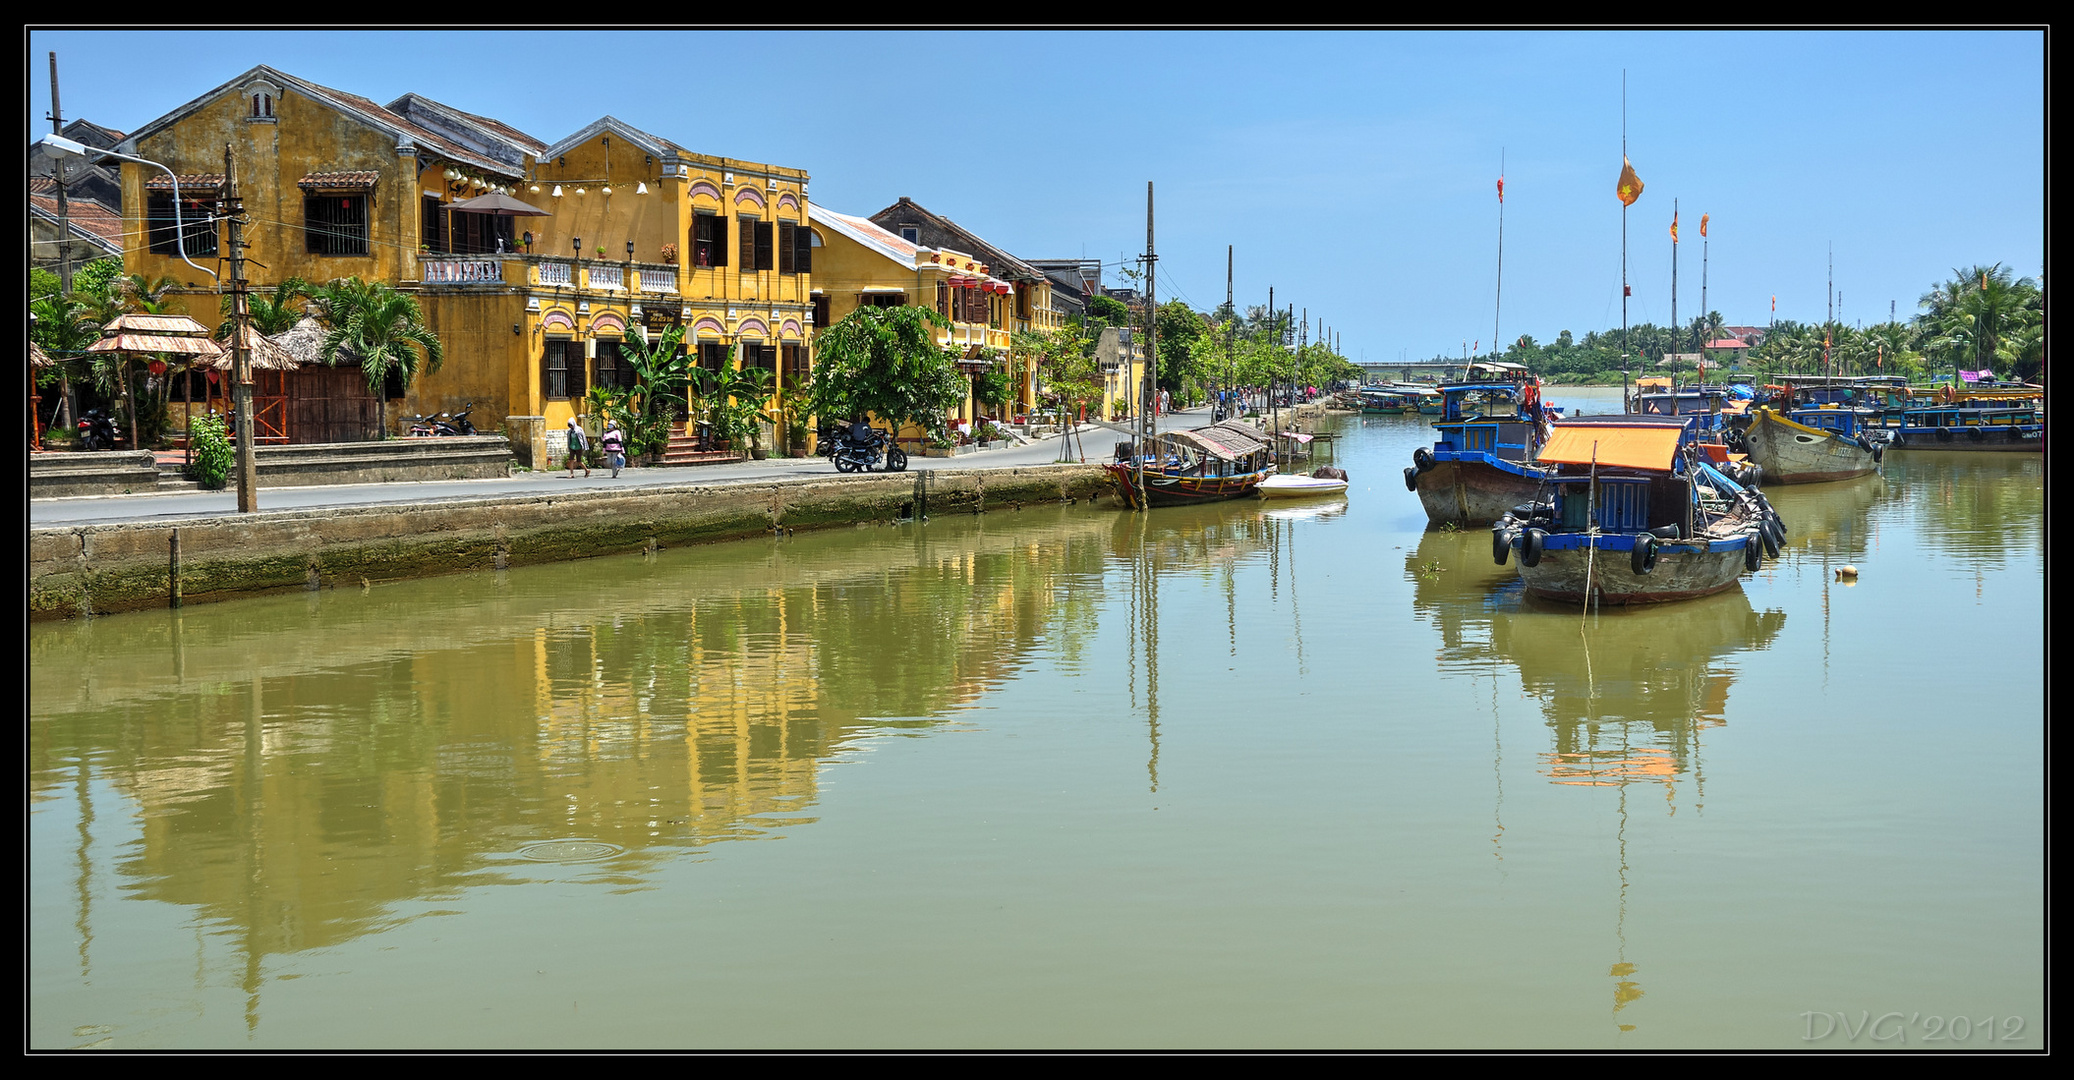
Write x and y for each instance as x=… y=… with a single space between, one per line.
x=1231 y=325
x=1151 y=391
x=57 y=127
x=240 y=355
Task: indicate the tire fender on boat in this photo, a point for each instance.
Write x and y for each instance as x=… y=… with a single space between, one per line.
x=1975 y=434
x=1530 y=547
x=1944 y=434
x=1422 y=459
x=1642 y=560
x=1411 y=478
x=1501 y=545
x=1753 y=554
x=1768 y=532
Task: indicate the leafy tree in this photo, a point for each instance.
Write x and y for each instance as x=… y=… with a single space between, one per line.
x=659 y=369
x=885 y=362
x=370 y=321
x=275 y=311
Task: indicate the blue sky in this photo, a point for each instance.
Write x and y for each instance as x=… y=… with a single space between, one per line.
x=1353 y=171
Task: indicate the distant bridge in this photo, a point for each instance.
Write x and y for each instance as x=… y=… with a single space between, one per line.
x=1417 y=370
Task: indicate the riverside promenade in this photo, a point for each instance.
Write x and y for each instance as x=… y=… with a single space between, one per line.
x=92 y=554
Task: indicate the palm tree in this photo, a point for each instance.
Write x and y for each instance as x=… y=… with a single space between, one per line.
x=382 y=328
x=1966 y=318
x=272 y=312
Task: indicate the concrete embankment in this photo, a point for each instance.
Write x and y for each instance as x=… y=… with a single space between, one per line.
x=79 y=570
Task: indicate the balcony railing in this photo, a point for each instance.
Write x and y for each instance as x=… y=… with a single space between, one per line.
x=658 y=280
x=606 y=277
x=555 y=273
x=461 y=271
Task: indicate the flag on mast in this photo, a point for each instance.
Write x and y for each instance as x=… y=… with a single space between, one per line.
x=1703 y=224
x=1501 y=189
x=1630 y=187
x=1674 y=226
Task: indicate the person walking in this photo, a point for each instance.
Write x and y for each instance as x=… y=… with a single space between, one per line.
x=613 y=442
x=579 y=447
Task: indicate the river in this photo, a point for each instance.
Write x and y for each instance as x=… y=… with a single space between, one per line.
x=1243 y=775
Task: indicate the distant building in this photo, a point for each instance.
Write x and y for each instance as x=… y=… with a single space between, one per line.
x=93 y=202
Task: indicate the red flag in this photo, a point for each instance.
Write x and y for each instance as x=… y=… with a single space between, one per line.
x=1630 y=187
x=1501 y=189
x=1674 y=226
x=1703 y=224
x=1627 y=290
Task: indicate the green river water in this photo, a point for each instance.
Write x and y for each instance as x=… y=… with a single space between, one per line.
x=1245 y=775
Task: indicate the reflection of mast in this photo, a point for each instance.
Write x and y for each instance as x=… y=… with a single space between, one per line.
x=1148 y=583
x=1625 y=990
x=86 y=865
x=1295 y=612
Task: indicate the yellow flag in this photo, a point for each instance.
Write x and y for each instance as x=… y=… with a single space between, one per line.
x=1674 y=226
x=1703 y=224
x=1630 y=185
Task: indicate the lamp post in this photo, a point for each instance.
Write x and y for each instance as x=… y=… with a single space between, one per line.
x=241 y=375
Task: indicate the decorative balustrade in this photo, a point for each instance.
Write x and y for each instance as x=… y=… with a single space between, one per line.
x=461 y=271
x=555 y=273
x=606 y=277
x=658 y=280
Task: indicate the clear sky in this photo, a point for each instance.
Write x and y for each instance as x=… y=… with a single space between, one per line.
x=1353 y=171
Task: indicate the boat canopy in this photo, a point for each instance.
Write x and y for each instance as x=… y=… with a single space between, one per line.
x=1220 y=441
x=1649 y=446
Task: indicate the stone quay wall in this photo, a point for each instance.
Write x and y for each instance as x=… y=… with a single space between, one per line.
x=87 y=569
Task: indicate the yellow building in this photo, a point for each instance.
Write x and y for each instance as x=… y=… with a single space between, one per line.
x=861 y=264
x=606 y=230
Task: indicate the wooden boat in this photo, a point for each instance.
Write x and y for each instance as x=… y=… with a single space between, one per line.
x=1634 y=513
x=1324 y=481
x=1809 y=446
x=1201 y=465
x=2011 y=418
x=1483 y=463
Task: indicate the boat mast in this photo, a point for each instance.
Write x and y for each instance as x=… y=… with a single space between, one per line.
x=1499 y=305
x=1151 y=391
x=1625 y=291
x=1674 y=298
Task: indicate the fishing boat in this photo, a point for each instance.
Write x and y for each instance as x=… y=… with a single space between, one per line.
x=1323 y=481
x=1812 y=445
x=1993 y=418
x=1483 y=463
x=1201 y=465
x=1633 y=512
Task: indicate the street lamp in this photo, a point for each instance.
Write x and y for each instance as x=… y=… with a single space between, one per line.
x=248 y=497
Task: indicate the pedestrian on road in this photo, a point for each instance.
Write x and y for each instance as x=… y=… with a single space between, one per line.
x=613 y=442
x=579 y=446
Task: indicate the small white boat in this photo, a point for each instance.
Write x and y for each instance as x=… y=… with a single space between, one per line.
x=1326 y=481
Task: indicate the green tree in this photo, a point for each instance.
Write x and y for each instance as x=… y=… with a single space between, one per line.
x=370 y=321
x=275 y=311
x=885 y=362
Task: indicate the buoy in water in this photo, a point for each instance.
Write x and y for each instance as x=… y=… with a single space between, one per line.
x=1846 y=573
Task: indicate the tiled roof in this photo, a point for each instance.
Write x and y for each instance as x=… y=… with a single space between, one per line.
x=336 y=181
x=188 y=182
x=87 y=218
x=1728 y=343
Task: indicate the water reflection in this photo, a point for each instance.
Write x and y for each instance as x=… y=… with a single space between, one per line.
x=298 y=767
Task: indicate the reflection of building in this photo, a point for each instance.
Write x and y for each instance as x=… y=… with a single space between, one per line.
x=298 y=772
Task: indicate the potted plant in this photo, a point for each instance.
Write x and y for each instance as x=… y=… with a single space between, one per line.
x=795 y=431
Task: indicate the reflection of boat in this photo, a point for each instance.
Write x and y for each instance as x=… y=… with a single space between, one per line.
x=1483 y=463
x=1807 y=446
x=1297 y=487
x=1633 y=514
x=1181 y=468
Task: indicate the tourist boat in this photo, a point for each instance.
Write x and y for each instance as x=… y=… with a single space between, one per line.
x=1200 y=465
x=1324 y=481
x=1996 y=418
x=1812 y=445
x=1483 y=463
x=1633 y=512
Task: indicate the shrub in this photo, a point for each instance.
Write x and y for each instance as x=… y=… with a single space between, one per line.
x=213 y=456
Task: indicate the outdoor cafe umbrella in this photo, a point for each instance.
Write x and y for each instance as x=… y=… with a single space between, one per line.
x=500 y=204
x=174 y=335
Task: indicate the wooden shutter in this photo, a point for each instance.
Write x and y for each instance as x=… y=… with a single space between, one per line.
x=803 y=259
x=787 y=238
x=821 y=310
x=765 y=259
x=748 y=246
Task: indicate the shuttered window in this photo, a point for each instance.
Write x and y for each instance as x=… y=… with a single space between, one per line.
x=561 y=360
x=766 y=252
x=748 y=262
x=708 y=241
x=795 y=249
x=821 y=311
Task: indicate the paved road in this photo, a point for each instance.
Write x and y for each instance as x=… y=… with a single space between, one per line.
x=103 y=509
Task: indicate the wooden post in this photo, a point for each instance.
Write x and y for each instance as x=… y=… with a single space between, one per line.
x=241 y=356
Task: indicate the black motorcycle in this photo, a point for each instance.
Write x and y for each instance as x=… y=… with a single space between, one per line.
x=858 y=447
x=458 y=424
x=97 y=431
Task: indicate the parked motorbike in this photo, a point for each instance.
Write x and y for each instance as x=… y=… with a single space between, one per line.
x=459 y=424
x=97 y=431
x=423 y=427
x=858 y=448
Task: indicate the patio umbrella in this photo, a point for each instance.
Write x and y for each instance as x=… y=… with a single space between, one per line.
x=175 y=335
x=501 y=205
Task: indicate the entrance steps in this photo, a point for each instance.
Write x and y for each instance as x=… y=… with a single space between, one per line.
x=684 y=450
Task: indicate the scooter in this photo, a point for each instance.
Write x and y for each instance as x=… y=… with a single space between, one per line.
x=857 y=449
x=97 y=431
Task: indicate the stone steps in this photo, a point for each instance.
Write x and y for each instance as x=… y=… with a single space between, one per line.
x=684 y=450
